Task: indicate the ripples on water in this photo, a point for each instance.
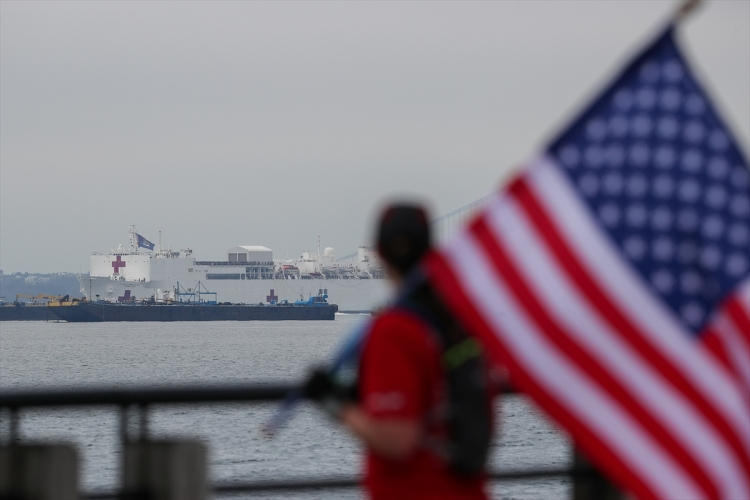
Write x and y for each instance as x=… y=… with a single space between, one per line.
x=40 y=354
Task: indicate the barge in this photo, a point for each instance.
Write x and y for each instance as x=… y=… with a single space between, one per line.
x=106 y=311
x=15 y=312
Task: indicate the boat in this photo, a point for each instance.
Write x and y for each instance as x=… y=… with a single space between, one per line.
x=315 y=308
x=23 y=312
x=36 y=308
x=249 y=274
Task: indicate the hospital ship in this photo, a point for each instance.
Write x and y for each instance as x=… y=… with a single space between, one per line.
x=249 y=275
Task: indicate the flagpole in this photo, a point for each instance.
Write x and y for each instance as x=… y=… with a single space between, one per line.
x=686 y=8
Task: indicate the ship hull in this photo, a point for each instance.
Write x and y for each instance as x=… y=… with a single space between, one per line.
x=26 y=313
x=98 y=312
x=351 y=295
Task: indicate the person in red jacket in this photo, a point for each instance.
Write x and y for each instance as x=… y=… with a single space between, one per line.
x=400 y=414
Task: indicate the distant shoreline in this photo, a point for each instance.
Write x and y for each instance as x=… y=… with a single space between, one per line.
x=25 y=283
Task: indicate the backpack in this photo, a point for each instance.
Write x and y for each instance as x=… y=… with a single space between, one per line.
x=469 y=409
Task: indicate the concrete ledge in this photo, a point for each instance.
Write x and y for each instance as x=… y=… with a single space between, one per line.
x=39 y=471
x=167 y=470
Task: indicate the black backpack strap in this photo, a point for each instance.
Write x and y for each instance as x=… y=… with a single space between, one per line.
x=469 y=415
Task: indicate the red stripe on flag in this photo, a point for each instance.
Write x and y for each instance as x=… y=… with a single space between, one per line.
x=730 y=329
x=740 y=316
x=713 y=343
x=618 y=321
x=597 y=373
x=452 y=291
x=727 y=336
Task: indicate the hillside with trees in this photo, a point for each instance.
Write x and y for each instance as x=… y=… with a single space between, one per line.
x=36 y=283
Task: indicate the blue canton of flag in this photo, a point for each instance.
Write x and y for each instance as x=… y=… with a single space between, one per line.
x=143 y=242
x=657 y=167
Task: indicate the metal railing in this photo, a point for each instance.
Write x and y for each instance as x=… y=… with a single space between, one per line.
x=141 y=398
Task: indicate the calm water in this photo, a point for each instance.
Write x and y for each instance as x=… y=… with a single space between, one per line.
x=39 y=354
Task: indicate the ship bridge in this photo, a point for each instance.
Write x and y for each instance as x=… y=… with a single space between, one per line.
x=244 y=262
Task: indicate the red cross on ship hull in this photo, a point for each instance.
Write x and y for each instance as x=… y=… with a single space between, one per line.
x=118 y=263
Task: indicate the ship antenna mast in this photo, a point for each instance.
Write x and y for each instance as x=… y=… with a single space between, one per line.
x=132 y=238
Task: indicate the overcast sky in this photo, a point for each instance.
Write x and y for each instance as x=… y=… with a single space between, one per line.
x=270 y=123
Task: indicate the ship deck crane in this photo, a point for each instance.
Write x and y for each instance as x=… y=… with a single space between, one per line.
x=38 y=298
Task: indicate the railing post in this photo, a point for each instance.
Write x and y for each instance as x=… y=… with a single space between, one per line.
x=143 y=422
x=591 y=484
x=13 y=431
x=124 y=425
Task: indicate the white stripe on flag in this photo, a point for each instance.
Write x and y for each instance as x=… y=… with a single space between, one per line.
x=630 y=295
x=571 y=310
x=735 y=346
x=562 y=379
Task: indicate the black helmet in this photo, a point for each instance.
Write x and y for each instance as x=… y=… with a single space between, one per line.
x=403 y=236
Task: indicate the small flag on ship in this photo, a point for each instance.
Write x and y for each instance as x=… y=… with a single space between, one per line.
x=143 y=242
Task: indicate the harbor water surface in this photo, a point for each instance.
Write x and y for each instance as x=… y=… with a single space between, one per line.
x=57 y=354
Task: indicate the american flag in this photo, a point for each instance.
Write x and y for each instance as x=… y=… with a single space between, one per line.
x=612 y=279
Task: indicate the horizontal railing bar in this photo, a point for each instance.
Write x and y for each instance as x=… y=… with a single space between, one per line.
x=298 y=484
x=536 y=474
x=354 y=482
x=148 y=395
x=105 y=495
x=349 y=482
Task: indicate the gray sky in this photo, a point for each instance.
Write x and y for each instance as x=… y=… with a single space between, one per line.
x=225 y=123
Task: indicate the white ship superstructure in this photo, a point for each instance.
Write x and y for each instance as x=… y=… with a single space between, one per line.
x=249 y=275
